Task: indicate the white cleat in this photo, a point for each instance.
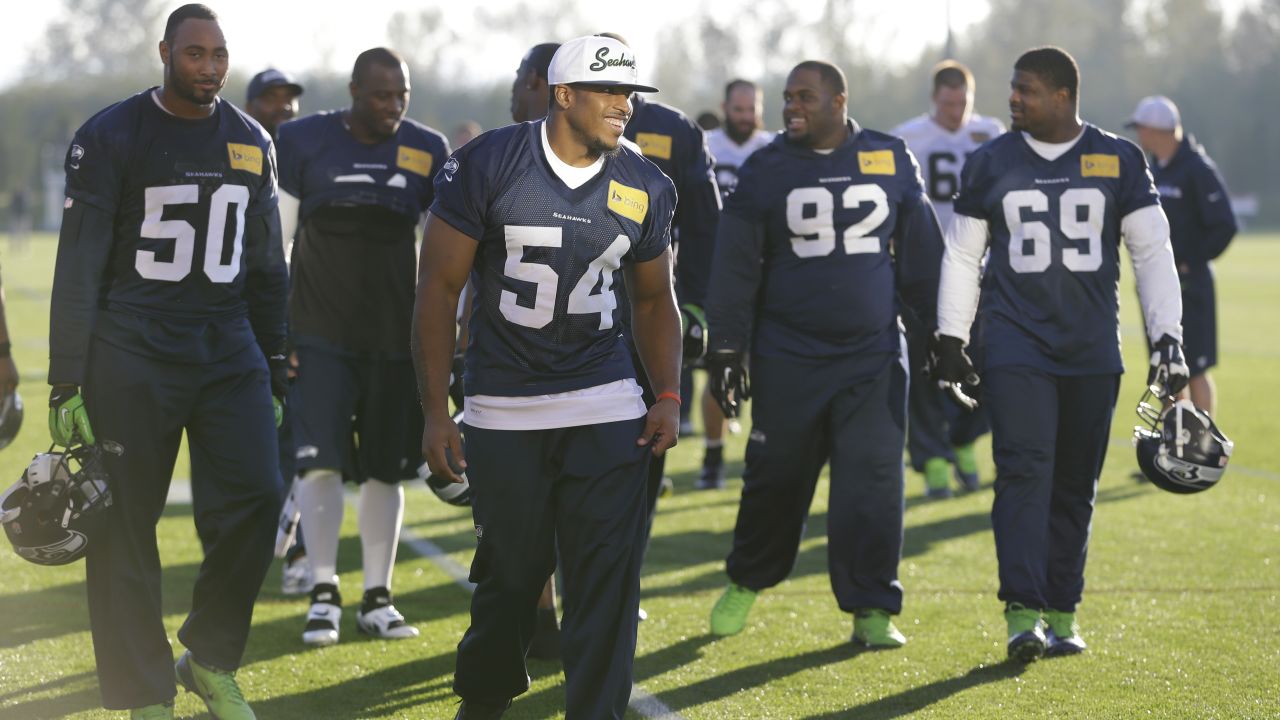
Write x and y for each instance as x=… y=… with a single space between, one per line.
x=324 y=616
x=383 y=621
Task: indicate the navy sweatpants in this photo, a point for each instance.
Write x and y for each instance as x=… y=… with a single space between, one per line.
x=1049 y=437
x=804 y=413
x=144 y=405
x=579 y=491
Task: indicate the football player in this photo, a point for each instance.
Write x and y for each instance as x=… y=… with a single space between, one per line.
x=805 y=285
x=1052 y=200
x=549 y=216
x=168 y=315
x=1201 y=225
x=272 y=100
x=741 y=134
x=355 y=183
x=941 y=434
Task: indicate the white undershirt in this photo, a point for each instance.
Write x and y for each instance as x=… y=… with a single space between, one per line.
x=611 y=402
x=1146 y=235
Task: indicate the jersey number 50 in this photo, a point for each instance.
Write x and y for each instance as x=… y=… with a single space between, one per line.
x=581 y=299
x=1072 y=201
x=184 y=235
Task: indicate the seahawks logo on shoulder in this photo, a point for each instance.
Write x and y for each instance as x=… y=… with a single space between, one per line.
x=450 y=168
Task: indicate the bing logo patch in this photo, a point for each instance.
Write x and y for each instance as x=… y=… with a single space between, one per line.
x=877 y=162
x=628 y=202
x=245 y=157
x=1098 y=165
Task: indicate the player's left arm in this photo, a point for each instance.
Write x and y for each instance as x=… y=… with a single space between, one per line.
x=918 y=250
x=656 y=324
x=266 y=285
x=1216 y=216
x=697 y=214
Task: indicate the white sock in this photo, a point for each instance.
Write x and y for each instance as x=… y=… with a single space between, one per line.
x=381 y=512
x=320 y=499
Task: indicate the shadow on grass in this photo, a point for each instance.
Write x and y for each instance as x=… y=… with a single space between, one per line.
x=917 y=699
x=394 y=691
x=79 y=692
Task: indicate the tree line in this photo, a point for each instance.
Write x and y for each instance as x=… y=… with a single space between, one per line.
x=1222 y=77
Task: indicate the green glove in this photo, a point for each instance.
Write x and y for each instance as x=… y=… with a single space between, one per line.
x=68 y=419
x=278 y=406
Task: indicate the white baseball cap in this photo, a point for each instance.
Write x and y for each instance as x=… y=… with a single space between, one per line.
x=1156 y=112
x=595 y=60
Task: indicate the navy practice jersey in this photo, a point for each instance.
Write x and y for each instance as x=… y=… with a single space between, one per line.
x=673 y=142
x=830 y=286
x=174 y=285
x=547 y=271
x=1050 y=290
x=354 y=265
x=1201 y=223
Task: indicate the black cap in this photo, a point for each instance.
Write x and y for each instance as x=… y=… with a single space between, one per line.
x=270 y=78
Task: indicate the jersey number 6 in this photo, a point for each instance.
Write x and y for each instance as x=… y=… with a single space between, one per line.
x=581 y=299
x=184 y=235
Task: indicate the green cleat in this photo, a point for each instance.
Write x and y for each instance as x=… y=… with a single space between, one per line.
x=1026 y=639
x=967 y=467
x=217 y=688
x=874 y=628
x=1064 y=634
x=729 y=615
x=937 y=478
x=161 y=711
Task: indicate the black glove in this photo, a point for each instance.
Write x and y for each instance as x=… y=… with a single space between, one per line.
x=693 y=324
x=727 y=379
x=952 y=368
x=279 y=367
x=1169 y=369
x=455 y=380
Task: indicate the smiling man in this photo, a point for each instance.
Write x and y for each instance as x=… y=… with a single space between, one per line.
x=355 y=184
x=829 y=228
x=549 y=217
x=168 y=316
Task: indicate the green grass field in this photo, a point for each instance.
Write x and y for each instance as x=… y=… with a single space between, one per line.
x=1180 y=609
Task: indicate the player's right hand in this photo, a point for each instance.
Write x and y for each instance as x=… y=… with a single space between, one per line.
x=68 y=419
x=1169 y=372
x=442 y=447
x=952 y=368
x=728 y=381
x=281 y=374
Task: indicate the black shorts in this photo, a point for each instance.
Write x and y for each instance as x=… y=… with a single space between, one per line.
x=356 y=412
x=1199 y=322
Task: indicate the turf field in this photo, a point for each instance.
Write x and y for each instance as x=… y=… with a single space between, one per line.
x=1180 y=610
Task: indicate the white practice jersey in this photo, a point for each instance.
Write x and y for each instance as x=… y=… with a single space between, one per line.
x=729 y=156
x=941 y=154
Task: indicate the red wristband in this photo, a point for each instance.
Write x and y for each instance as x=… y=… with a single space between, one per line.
x=669 y=394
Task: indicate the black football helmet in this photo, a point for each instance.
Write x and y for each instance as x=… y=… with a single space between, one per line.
x=693 y=327
x=451 y=492
x=50 y=514
x=1180 y=449
x=10 y=418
